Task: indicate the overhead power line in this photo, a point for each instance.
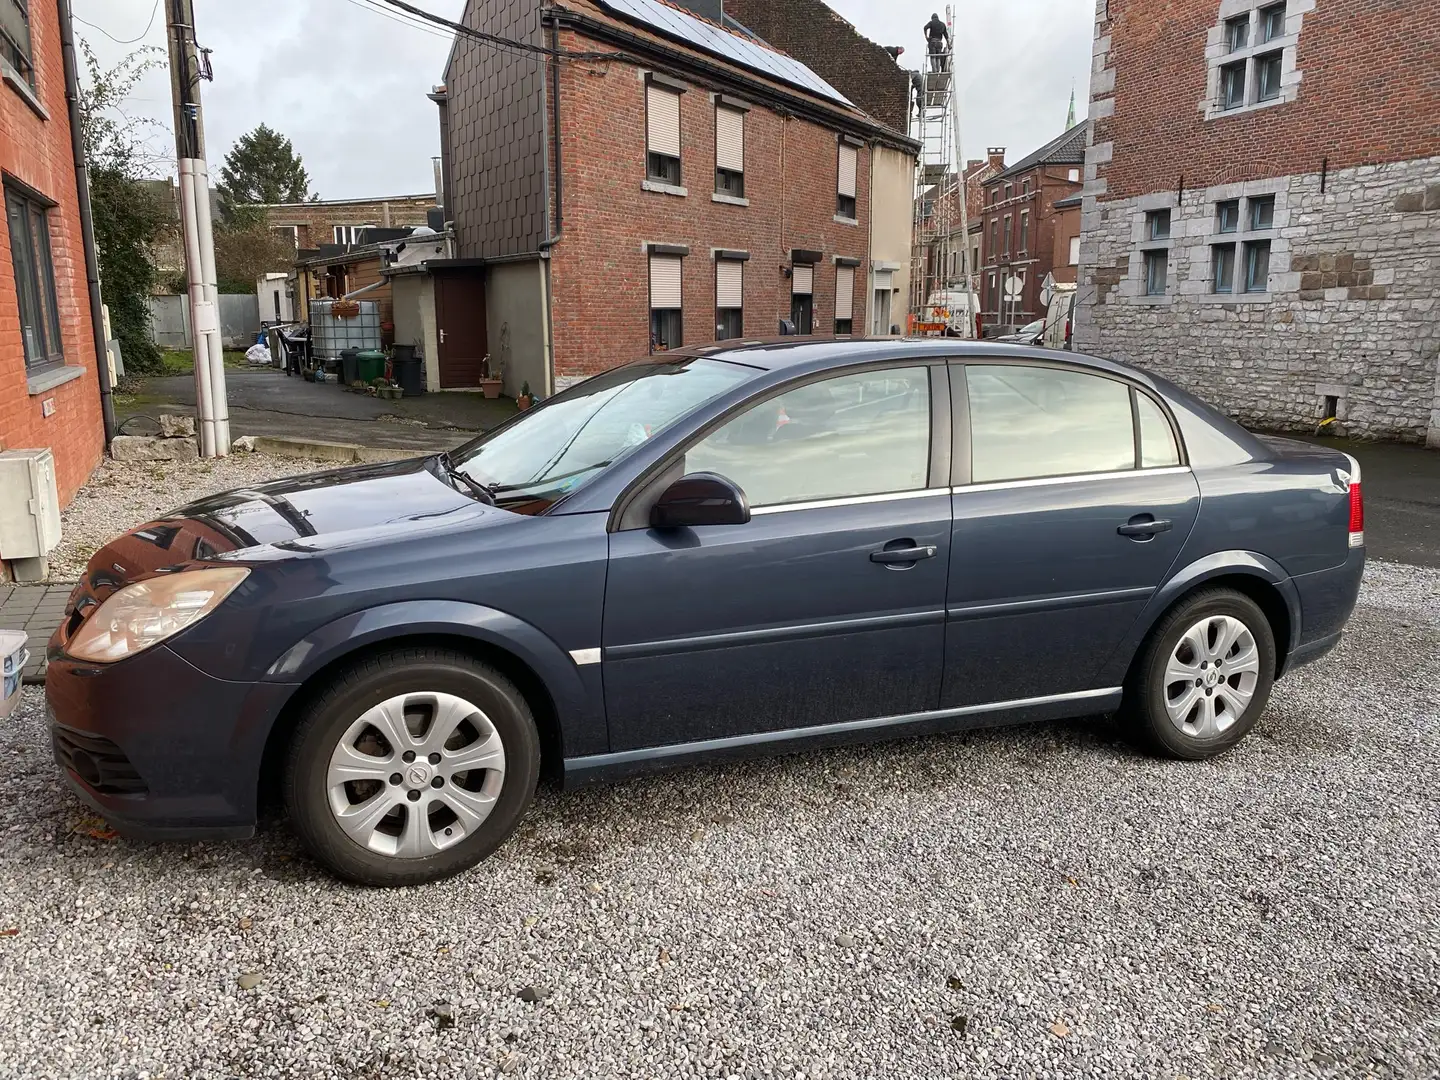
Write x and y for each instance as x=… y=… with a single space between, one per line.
x=130 y=41
x=502 y=42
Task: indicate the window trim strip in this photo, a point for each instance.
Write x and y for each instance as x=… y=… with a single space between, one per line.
x=850 y=500
x=1078 y=478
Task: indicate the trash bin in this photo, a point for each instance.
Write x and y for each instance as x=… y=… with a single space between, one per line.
x=371 y=364
x=349 y=366
x=409 y=370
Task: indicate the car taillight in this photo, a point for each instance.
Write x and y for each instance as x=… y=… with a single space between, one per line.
x=1357 y=515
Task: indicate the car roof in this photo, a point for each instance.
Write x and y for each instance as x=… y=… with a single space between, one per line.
x=775 y=354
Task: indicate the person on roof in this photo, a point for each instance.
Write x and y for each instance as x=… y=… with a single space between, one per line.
x=937 y=36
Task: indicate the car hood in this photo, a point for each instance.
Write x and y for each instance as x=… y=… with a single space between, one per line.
x=341 y=506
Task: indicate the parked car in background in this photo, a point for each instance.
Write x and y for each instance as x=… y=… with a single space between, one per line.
x=714 y=552
x=1029 y=334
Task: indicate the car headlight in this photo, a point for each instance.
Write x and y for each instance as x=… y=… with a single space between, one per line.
x=148 y=612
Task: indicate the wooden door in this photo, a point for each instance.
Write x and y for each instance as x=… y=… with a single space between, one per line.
x=460 y=329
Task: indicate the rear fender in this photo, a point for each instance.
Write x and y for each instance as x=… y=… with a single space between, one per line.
x=1211 y=567
x=575 y=691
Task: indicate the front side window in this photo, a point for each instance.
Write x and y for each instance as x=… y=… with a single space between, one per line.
x=729 y=152
x=662 y=134
x=34 y=279
x=553 y=450
x=854 y=435
x=1031 y=422
x=1157 y=264
x=15 y=37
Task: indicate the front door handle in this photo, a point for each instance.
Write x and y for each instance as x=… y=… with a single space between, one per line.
x=1143 y=527
x=902 y=556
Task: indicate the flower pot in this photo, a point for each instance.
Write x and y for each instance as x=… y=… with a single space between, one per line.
x=523 y=402
x=490 y=387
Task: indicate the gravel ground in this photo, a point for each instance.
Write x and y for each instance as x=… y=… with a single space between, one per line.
x=1036 y=902
x=123 y=494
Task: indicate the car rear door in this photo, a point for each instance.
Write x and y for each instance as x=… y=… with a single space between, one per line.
x=1071 y=504
x=827 y=606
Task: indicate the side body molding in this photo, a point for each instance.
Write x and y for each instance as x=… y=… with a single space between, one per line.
x=575 y=691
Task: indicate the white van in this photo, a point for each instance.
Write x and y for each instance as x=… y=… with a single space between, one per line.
x=1059 y=316
x=955 y=309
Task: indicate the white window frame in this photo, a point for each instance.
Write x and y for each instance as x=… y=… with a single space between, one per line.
x=1219 y=55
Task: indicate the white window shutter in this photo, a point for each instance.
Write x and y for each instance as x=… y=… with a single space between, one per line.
x=729 y=139
x=844 y=292
x=803 y=279
x=664 y=281
x=729 y=283
x=882 y=280
x=848 y=158
x=663 y=114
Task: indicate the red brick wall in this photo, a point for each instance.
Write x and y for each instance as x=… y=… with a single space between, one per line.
x=1370 y=93
x=1047 y=184
x=316 y=221
x=1065 y=227
x=36 y=151
x=600 y=270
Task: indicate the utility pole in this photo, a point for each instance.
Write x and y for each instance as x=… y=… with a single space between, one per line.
x=185 y=75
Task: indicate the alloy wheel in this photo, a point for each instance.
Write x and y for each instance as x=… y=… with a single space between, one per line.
x=1211 y=676
x=416 y=774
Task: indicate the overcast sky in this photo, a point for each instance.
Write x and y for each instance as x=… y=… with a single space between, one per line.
x=347 y=84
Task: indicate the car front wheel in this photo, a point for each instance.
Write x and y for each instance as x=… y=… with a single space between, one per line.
x=1204 y=677
x=411 y=766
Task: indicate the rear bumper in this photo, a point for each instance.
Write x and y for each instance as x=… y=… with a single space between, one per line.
x=1327 y=599
x=157 y=747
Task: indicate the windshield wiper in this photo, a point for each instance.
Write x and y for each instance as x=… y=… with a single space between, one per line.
x=548 y=479
x=479 y=490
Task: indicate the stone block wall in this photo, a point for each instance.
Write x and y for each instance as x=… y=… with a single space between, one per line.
x=1351 y=308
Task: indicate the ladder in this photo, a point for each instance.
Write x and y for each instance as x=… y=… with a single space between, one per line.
x=941 y=224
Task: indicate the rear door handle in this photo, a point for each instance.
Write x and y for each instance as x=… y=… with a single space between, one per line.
x=1144 y=530
x=901 y=556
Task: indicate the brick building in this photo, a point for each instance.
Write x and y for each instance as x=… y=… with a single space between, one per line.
x=943 y=260
x=323 y=222
x=1278 y=249
x=1019 y=222
x=50 y=388
x=694 y=193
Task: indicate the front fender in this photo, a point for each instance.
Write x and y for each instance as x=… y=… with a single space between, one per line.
x=574 y=690
x=1217 y=565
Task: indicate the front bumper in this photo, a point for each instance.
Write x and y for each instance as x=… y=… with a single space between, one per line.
x=157 y=747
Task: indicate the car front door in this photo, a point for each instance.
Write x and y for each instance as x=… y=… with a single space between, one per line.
x=1072 y=503
x=827 y=606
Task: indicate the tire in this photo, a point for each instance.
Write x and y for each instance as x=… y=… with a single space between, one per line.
x=411 y=820
x=1169 y=713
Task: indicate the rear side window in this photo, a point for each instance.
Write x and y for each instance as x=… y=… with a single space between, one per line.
x=1029 y=422
x=1157 y=440
x=862 y=434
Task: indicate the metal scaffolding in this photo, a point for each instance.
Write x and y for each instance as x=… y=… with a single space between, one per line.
x=939 y=252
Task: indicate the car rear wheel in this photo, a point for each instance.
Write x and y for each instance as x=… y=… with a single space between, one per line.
x=1204 y=676
x=411 y=766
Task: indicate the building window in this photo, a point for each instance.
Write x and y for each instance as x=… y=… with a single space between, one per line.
x=667 y=325
x=1007 y=234
x=15 y=37
x=802 y=300
x=729 y=152
x=844 y=299
x=994 y=196
x=991 y=300
x=1025 y=187
x=848 y=159
x=880 y=312
x=1262 y=213
x=1237 y=32
x=1009 y=190
x=1272 y=22
x=1232 y=86
x=34 y=280
x=1074 y=251
x=729 y=298
x=662 y=134
x=1024 y=231
x=290 y=233
x=1157 y=225
x=1227 y=216
x=1073 y=176
x=1257 y=266
x=348 y=234
x=1156 y=268
x=994 y=237
x=1222 y=259
x=1267 y=77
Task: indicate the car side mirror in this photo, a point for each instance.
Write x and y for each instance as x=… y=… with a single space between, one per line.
x=702 y=498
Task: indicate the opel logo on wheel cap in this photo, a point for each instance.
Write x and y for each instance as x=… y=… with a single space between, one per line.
x=419 y=776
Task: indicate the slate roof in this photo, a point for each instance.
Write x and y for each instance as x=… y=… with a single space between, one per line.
x=1065 y=149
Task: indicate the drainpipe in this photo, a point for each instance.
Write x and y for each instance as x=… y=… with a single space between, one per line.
x=87 y=221
x=554 y=62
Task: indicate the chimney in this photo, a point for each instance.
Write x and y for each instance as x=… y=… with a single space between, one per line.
x=996 y=154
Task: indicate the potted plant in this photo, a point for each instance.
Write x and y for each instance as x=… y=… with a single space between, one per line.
x=490 y=381
x=526 y=399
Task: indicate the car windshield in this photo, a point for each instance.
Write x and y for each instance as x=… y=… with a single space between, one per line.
x=551 y=451
x=1033 y=327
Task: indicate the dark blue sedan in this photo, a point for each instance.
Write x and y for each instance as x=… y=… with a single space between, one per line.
x=716 y=551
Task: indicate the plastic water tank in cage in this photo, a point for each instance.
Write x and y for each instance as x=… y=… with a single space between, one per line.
x=337 y=325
